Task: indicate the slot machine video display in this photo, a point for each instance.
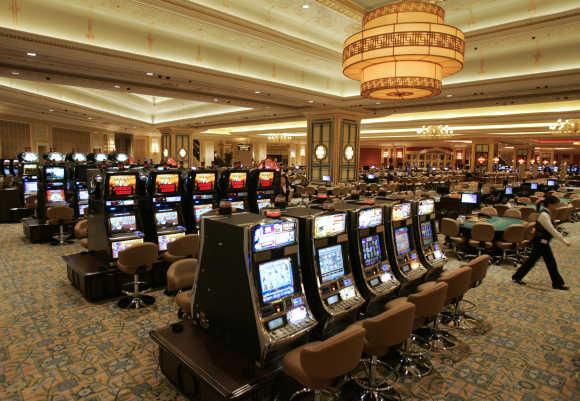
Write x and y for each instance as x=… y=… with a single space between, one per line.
x=115 y=223
x=162 y=208
x=6 y=167
x=326 y=266
x=201 y=196
x=233 y=187
x=404 y=258
x=53 y=189
x=263 y=186
x=371 y=267
x=261 y=308
x=80 y=189
x=430 y=250
x=29 y=178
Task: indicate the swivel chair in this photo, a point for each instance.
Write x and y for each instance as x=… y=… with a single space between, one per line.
x=60 y=216
x=131 y=261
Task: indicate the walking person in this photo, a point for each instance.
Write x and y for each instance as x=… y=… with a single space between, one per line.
x=545 y=231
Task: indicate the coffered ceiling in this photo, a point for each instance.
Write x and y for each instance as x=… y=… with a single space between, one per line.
x=227 y=63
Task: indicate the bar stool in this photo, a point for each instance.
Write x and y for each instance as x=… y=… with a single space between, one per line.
x=429 y=301
x=458 y=282
x=451 y=230
x=526 y=211
x=183 y=247
x=489 y=211
x=319 y=365
x=482 y=235
x=131 y=261
x=81 y=231
x=60 y=216
x=469 y=324
x=501 y=209
x=513 y=213
x=180 y=276
x=383 y=332
x=512 y=237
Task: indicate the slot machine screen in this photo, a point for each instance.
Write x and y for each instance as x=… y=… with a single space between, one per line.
x=7 y=169
x=426 y=207
x=265 y=179
x=166 y=219
x=122 y=224
x=427 y=233
x=30 y=187
x=200 y=210
x=83 y=210
x=263 y=203
x=470 y=199
x=122 y=185
x=237 y=205
x=118 y=246
x=331 y=263
x=83 y=195
x=237 y=180
x=509 y=190
x=276 y=279
x=402 y=240
x=166 y=183
x=534 y=185
x=551 y=183
x=55 y=196
x=101 y=157
x=402 y=211
x=204 y=182
x=163 y=240
x=54 y=173
x=332 y=224
x=29 y=169
x=275 y=235
x=370 y=217
x=371 y=250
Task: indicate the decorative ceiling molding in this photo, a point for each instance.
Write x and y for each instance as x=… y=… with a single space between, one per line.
x=345 y=7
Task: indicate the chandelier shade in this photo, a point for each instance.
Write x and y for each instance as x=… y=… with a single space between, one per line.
x=403 y=51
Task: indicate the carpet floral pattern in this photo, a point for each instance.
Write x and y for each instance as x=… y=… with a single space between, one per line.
x=56 y=346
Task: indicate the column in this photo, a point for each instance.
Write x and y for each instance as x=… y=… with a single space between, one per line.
x=260 y=149
x=332 y=147
x=491 y=156
x=292 y=155
x=207 y=152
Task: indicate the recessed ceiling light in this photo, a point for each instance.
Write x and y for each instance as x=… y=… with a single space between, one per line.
x=305 y=6
x=310 y=101
x=257 y=92
x=149 y=74
x=31 y=54
x=378 y=103
x=117 y=86
x=15 y=73
x=90 y=118
x=215 y=99
x=50 y=110
x=450 y=95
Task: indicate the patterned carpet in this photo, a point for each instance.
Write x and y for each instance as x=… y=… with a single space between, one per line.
x=56 y=346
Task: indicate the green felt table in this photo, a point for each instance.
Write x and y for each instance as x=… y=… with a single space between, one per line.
x=500 y=224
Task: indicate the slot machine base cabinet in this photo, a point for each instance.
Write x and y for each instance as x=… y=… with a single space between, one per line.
x=38 y=232
x=203 y=369
x=90 y=273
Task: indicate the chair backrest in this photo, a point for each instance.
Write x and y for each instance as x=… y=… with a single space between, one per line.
x=391 y=327
x=429 y=303
x=501 y=209
x=524 y=200
x=530 y=231
x=81 y=229
x=515 y=213
x=483 y=232
x=489 y=211
x=564 y=213
x=449 y=227
x=479 y=268
x=458 y=282
x=532 y=217
x=60 y=214
x=335 y=356
x=185 y=246
x=514 y=233
x=139 y=255
x=526 y=211
x=576 y=203
x=181 y=274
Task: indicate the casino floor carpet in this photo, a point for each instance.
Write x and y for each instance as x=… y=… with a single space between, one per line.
x=56 y=346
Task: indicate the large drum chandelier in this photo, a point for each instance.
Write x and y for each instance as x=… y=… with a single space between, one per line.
x=403 y=51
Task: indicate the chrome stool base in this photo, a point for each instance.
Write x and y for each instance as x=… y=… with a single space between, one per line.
x=376 y=385
x=136 y=302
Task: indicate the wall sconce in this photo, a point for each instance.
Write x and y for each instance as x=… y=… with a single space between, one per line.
x=481 y=159
x=496 y=160
x=155 y=147
x=292 y=154
x=521 y=161
x=302 y=152
x=182 y=153
x=165 y=152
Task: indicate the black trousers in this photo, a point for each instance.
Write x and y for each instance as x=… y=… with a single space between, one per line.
x=545 y=251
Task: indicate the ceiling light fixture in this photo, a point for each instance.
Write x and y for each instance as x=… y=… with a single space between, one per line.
x=117 y=86
x=305 y=6
x=403 y=60
x=565 y=127
x=149 y=74
x=15 y=73
x=310 y=101
x=257 y=92
x=435 y=131
x=50 y=110
x=31 y=54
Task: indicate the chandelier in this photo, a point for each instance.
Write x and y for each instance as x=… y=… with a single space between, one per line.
x=403 y=51
x=565 y=127
x=436 y=131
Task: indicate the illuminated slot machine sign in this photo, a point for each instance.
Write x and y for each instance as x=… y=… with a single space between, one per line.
x=54 y=173
x=368 y=218
x=204 y=182
x=166 y=183
x=426 y=207
x=237 y=180
x=265 y=179
x=7 y=167
x=122 y=186
x=83 y=195
x=29 y=169
x=275 y=235
x=401 y=211
x=30 y=187
x=55 y=196
x=122 y=224
x=101 y=158
x=329 y=225
x=167 y=218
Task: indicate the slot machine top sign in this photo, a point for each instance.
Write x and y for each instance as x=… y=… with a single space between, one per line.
x=204 y=181
x=238 y=180
x=426 y=206
x=266 y=179
x=166 y=183
x=122 y=185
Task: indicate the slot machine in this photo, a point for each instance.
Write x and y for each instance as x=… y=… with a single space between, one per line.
x=430 y=251
x=233 y=187
x=201 y=196
x=263 y=185
x=114 y=223
x=53 y=189
x=6 y=167
x=162 y=213
x=371 y=267
x=330 y=285
x=403 y=252
x=80 y=190
x=249 y=289
x=29 y=178
x=15 y=168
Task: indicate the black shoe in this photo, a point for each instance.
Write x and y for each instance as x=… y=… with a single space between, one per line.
x=561 y=287
x=518 y=281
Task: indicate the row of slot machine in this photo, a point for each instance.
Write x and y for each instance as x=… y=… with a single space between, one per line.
x=267 y=283
x=128 y=207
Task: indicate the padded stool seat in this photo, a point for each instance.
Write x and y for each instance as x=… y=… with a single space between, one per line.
x=60 y=216
x=458 y=282
x=131 y=261
x=183 y=247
